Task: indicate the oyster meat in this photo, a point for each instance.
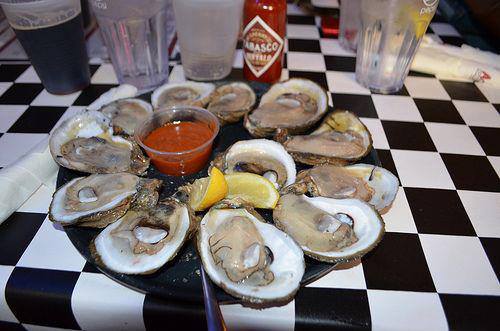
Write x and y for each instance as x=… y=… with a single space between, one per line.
x=142 y=241
x=182 y=94
x=260 y=156
x=366 y=182
x=247 y=257
x=330 y=230
x=294 y=105
x=85 y=142
x=126 y=114
x=230 y=102
x=100 y=199
x=341 y=139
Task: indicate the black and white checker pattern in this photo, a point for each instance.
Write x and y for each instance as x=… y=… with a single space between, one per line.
x=438 y=266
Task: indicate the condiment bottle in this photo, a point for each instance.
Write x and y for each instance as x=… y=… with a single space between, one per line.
x=264 y=31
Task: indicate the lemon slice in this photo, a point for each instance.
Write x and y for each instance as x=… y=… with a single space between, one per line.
x=254 y=189
x=207 y=191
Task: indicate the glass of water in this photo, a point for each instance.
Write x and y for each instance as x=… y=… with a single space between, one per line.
x=391 y=31
x=136 y=34
x=207 y=31
x=349 y=23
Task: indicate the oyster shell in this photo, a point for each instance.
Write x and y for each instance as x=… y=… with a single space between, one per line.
x=85 y=142
x=366 y=182
x=330 y=230
x=100 y=199
x=182 y=94
x=247 y=257
x=261 y=156
x=295 y=105
x=341 y=139
x=142 y=241
x=230 y=102
x=126 y=114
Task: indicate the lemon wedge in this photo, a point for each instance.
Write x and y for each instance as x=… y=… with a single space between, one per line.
x=252 y=188
x=207 y=191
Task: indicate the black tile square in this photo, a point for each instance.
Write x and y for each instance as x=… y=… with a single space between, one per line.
x=91 y=93
x=439 y=19
x=236 y=74
x=21 y=94
x=387 y=161
x=300 y=19
x=331 y=309
x=37 y=119
x=89 y=267
x=303 y=45
x=463 y=91
x=497 y=107
x=420 y=74
x=398 y=263
x=473 y=173
x=441 y=111
x=53 y=307
x=471 y=312
x=340 y=63
x=15 y=235
x=438 y=212
x=452 y=40
x=361 y=105
x=408 y=135
x=403 y=91
x=492 y=248
x=9 y=326
x=317 y=77
x=489 y=139
x=93 y=68
x=10 y=72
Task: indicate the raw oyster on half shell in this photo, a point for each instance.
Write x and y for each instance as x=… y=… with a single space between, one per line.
x=100 y=199
x=247 y=257
x=142 y=241
x=341 y=139
x=366 y=182
x=294 y=105
x=85 y=142
x=182 y=94
x=230 y=102
x=260 y=156
x=126 y=114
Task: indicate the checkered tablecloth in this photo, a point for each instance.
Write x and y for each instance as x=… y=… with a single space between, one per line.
x=437 y=267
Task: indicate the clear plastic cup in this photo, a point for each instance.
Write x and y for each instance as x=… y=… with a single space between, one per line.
x=390 y=35
x=51 y=33
x=350 y=23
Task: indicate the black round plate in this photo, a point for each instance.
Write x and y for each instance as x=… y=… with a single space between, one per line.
x=180 y=279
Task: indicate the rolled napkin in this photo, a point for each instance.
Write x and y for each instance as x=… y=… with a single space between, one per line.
x=21 y=179
x=120 y=92
x=457 y=63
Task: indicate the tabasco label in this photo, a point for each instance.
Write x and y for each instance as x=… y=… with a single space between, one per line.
x=261 y=46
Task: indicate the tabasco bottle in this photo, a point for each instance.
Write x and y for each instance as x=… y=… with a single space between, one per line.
x=264 y=30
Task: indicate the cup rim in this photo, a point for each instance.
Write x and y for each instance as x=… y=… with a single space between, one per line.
x=177 y=109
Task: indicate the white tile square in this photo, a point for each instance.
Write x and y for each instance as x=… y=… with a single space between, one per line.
x=397 y=310
x=344 y=82
x=495 y=162
x=104 y=75
x=73 y=110
x=396 y=108
x=444 y=29
x=454 y=138
x=100 y=303
x=426 y=88
x=5 y=312
x=483 y=209
x=305 y=61
x=284 y=74
x=280 y=318
x=325 y=3
x=302 y=31
x=351 y=277
x=15 y=145
x=332 y=47
x=374 y=125
x=29 y=76
x=177 y=75
x=4 y=87
x=421 y=169
x=39 y=202
x=32 y=327
x=39 y=254
x=293 y=9
x=477 y=113
x=492 y=93
x=9 y=115
x=47 y=99
x=459 y=265
x=399 y=218
x=238 y=59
